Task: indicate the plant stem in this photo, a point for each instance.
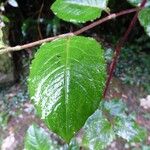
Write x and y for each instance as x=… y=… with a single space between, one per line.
x=90 y=26
x=119 y=47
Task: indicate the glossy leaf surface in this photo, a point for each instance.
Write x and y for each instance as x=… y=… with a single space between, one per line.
x=38 y=139
x=66 y=83
x=144 y=18
x=129 y=130
x=98 y=132
x=125 y=125
x=78 y=10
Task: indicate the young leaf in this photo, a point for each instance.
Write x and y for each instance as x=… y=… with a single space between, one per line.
x=97 y=132
x=79 y=10
x=37 y=139
x=144 y=18
x=66 y=82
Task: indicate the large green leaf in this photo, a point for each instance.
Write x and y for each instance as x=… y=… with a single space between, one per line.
x=97 y=132
x=37 y=139
x=66 y=82
x=144 y=18
x=79 y=10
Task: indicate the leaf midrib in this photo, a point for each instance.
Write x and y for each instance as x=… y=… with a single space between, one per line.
x=66 y=82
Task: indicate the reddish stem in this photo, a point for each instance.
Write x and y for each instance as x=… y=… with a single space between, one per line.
x=119 y=47
x=90 y=26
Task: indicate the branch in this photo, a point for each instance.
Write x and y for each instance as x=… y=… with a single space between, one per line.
x=119 y=47
x=92 y=25
x=38 y=20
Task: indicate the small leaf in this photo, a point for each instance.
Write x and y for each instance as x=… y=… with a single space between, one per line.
x=124 y=125
x=114 y=107
x=13 y=3
x=4 y=19
x=97 y=132
x=66 y=83
x=73 y=145
x=144 y=19
x=138 y=2
x=79 y=10
x=128 y=129
x=37 y=139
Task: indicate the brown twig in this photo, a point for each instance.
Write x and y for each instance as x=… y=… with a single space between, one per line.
x=39 y=16
x=92 y=25
x=119 y=47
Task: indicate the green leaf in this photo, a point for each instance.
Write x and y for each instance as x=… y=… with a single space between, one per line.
x=125 y=125
x=73 y=145
x=79 y=10
x=144 y=18
x=106 y=124
x=66 y=83
x=145 y=147
x=38 y=139
x=4 y=19
x=135 y=2
x=138 y=2
x=129 y=130
x=98 y=132
x=114 y=107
